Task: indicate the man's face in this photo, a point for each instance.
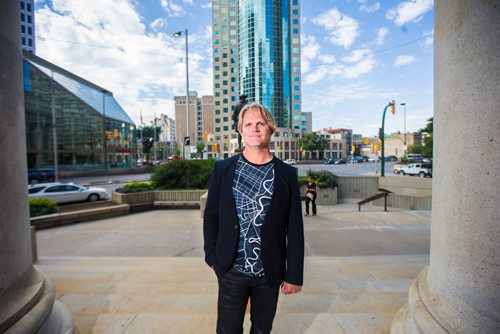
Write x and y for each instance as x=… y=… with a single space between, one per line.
x=254 y=130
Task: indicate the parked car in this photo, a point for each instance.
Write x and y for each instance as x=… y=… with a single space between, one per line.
x=37 y=175
x=420 y=169
x=329 y=162
x=61 y=192
x=391 y=158
x=340 y=162
x=290 y=161
x=415 y=157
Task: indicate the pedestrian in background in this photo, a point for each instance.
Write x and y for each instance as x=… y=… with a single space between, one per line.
x=311 y=195
x=253 y=228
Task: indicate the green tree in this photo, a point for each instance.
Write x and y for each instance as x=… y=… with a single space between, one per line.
x=200 y=146
x=148 y=140
x=427 y=136
x=312 y=142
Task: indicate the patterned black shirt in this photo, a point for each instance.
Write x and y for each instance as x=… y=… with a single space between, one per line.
x=252 y=192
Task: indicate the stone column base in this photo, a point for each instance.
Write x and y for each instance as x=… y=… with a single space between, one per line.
x=29 y=307
x=431 y=309
x=415 y=317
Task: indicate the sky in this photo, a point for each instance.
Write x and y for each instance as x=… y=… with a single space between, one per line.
x=357 y=55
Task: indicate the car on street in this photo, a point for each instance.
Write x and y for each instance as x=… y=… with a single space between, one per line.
x=420 y=169
x=328 y=162
x=290 y=161
x=37 y=175
x=340 y=162
x=391 y=158
x=61 y=192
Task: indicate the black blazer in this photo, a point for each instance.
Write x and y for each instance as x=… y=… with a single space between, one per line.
x=282 y=238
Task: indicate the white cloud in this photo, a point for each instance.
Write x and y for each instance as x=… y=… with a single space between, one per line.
x=108 y=45
x=207 y=5
x=381 y=34
x=365 y=7
x=171 y=8
x=429 y=40
x=409 y=11
x=404 y=60
x=342 y=29
x=157 y=24
x=310 y=50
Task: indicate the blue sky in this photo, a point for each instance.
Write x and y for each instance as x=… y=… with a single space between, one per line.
x=356 y=55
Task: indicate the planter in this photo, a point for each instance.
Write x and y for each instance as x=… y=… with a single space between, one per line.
x=146 y=197
x=327 y=196
x=149 y=197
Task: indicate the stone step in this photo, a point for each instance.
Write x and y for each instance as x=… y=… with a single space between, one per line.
x=179 y=294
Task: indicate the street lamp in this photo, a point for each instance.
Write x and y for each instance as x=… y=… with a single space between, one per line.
x=178 y=34
x=404 y=108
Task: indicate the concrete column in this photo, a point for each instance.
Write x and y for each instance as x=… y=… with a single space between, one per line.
x=459 y=291
x=27 y=297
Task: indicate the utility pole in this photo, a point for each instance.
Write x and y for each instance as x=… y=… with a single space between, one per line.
x=381 y=135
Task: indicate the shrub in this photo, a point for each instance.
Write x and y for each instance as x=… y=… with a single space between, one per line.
x=136 y=187
x=183 y=174
x=42 y=206
x=323 y=178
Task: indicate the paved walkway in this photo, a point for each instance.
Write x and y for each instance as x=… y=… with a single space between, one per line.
x=144 y=273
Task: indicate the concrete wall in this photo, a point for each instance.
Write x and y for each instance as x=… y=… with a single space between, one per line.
x=407 y=185
x=406 y=202
x=357 y=186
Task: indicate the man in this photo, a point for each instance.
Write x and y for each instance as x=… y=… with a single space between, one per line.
x=241 y=103
x=253 y=228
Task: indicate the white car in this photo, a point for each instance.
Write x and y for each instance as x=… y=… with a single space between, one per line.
x=290 y=161
x=61 y=192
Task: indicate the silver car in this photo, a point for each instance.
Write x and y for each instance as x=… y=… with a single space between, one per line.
x=60 y=192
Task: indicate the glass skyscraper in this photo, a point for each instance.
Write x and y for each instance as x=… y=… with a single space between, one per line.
x=256 y=52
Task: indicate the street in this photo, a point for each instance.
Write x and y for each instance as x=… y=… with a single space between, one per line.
x=112 y=182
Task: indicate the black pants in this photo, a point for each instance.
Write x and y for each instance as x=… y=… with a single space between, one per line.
x=313 y=202
x=235 y=289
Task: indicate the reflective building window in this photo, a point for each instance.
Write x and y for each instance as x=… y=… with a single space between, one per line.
x=91 y=127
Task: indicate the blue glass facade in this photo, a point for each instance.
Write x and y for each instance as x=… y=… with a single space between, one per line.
x=265 y=56
x=93 y=131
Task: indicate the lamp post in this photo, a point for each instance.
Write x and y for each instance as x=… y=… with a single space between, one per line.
x=404 y=108
x=187 y=152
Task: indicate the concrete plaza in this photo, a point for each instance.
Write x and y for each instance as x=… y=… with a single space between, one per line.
x=144 y=273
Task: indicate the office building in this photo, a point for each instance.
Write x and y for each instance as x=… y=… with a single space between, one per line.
x=256 y=52
x=27 y=11
x=201 y=118
x=77 y=121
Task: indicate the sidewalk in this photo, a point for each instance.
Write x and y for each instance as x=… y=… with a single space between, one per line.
x=144 y=273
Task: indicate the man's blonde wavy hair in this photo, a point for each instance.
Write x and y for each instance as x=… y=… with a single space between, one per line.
x=263 y=112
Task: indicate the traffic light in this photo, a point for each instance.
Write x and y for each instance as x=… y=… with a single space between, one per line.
x=214 y=148
x=373 y=147
x=115 y=133
x=393 y=107
x=187 y=141
x=380 y=133
x=367 y=141
x=379 y=145
x=109 y=134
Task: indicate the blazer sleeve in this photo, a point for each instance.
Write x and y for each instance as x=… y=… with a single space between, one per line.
x=295 y=236
x=211 y=217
